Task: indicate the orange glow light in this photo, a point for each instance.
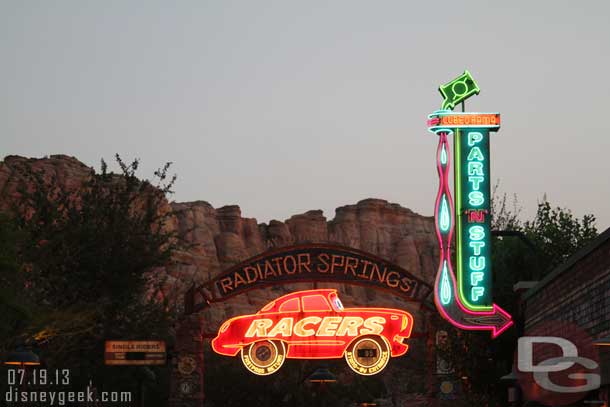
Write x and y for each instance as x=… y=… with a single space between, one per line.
x=484 y=119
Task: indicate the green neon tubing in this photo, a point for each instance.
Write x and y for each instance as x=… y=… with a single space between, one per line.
x=458 y=228
x=475 y=154
x=477 y=292
x=477 y=263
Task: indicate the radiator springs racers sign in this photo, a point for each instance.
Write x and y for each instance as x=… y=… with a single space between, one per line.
x=313 y=324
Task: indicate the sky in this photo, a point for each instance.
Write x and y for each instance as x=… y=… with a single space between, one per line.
x=286 y=106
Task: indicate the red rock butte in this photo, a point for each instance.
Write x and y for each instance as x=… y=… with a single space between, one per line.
x=221 y=237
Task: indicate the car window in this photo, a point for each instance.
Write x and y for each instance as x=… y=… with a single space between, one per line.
x=268 y=306
x=315 y=303
x=290 y=306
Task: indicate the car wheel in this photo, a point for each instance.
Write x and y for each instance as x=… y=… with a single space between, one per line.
x=368 y=355
x=264 y=357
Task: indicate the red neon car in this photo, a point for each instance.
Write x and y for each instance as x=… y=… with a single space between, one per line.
x=314 y=325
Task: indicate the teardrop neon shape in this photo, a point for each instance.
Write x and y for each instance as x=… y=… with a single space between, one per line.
x=445 y=220
x=443 y=155
x=445 y=286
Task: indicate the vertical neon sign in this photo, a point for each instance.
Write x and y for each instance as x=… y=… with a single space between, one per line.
x=465 y=301
x=473 y=220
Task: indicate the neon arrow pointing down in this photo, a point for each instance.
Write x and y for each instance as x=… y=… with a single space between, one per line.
x=446 y=292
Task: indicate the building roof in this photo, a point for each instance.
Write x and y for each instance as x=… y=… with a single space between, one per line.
x=567 y=265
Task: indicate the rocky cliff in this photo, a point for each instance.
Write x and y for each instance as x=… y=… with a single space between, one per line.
x=218 y=238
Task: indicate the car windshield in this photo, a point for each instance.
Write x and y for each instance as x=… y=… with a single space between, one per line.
x=338 y=304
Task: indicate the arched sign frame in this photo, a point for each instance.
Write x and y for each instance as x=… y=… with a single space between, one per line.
x=309 y=263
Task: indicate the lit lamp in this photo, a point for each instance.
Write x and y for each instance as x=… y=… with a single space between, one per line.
x=322 y=375
x=22 y=357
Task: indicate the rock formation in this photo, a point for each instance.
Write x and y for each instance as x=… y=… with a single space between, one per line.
x=217 y=238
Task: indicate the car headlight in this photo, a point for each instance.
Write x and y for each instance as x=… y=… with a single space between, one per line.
x=404 y=322
x=224 y=326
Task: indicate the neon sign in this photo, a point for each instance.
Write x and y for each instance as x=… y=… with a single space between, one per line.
x=318 y=262
x=473 y=222
x=458 y=90
x=443 y=119
x=314 y=325
x=466 y=301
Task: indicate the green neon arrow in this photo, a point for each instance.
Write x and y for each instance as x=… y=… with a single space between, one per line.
x=458 y=90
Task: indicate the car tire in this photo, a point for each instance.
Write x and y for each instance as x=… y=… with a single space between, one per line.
x=263 y=357
x=368 y=355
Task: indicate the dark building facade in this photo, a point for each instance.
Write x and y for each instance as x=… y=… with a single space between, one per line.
x=577 y=294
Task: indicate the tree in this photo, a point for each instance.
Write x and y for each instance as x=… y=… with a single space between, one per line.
x=546 y=241
x=558 y=234
x=88 y=259
x=13 y=307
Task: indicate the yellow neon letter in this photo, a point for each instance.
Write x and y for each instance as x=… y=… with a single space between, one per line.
x=258 y=327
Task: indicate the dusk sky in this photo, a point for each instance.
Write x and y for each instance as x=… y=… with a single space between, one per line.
x=285 y=106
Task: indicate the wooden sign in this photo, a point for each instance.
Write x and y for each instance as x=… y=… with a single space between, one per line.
x=134 y=353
